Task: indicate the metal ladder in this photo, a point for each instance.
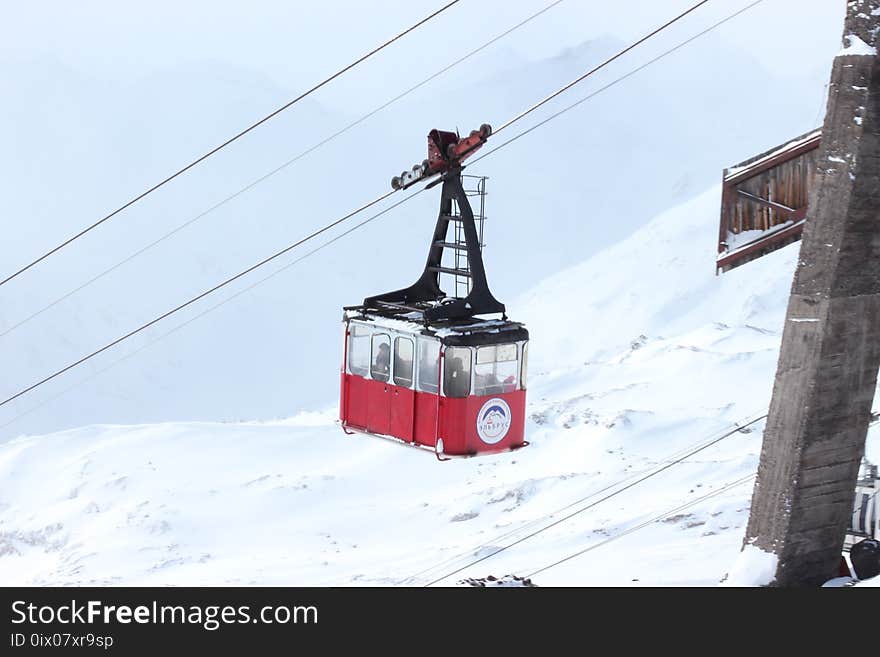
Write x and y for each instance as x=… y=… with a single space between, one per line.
x=474 y=188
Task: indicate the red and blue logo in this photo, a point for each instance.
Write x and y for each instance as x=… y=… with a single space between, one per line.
x=493 y=421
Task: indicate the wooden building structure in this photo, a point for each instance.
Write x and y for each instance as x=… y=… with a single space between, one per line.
x=764 y=201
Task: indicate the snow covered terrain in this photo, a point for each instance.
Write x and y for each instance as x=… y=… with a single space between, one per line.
x=638 y=355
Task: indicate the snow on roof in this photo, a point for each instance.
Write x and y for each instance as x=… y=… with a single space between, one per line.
x=769 y=155
x=412 y=323
x=484 y=326
x=408 y=323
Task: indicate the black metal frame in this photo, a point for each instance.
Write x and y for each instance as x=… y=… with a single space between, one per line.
x=478 y=336
x=479 y=301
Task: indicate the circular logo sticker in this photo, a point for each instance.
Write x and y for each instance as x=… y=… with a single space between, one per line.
x=493 y=421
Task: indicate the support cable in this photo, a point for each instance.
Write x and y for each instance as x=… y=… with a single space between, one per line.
x=345 y=218
x=274 y=171
x=227 y=142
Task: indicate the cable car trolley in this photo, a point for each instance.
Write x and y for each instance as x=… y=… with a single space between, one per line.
x=434 y=370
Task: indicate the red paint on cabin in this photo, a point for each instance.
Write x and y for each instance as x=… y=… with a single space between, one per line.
x=422 y=417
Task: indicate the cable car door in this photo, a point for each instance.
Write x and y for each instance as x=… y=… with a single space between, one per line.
x=379 y=396
x=427 y=396
x=403 y=396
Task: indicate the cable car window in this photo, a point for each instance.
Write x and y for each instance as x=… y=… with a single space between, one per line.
x=457 y=382
x=359 y=350
x=403 y=362
x=496 y=370
x=429 y=366
x=525 y=365
x=381 y=367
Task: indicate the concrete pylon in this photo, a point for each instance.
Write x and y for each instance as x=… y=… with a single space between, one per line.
x=827 y=371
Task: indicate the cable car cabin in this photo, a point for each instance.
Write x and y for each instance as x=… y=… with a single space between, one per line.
x=458 y=391
x=431 y=369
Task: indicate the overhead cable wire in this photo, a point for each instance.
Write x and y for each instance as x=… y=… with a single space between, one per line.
x=544 y=518
x=738 y=427
x=617 y=492
x=210 y=309
x=227 y=142
x=275 y=171
x=662 y=516
x=338 y=221
x=598 y=68
x=667 y=514
x=198 y=297
x=617 y=81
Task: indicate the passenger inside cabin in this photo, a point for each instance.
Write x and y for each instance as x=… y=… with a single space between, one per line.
x=457 y=380
x=381 y=367
x=490 y=384
x=486 y=384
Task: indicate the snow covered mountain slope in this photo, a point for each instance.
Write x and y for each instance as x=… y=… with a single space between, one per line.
x=639 y=355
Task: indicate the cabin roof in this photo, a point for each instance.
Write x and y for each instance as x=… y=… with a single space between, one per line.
x=469 y=332
x=767 y=160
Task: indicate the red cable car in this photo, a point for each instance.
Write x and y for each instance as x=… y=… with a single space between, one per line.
x=433 y=370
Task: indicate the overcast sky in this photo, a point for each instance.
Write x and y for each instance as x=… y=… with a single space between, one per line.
x=297 y=43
